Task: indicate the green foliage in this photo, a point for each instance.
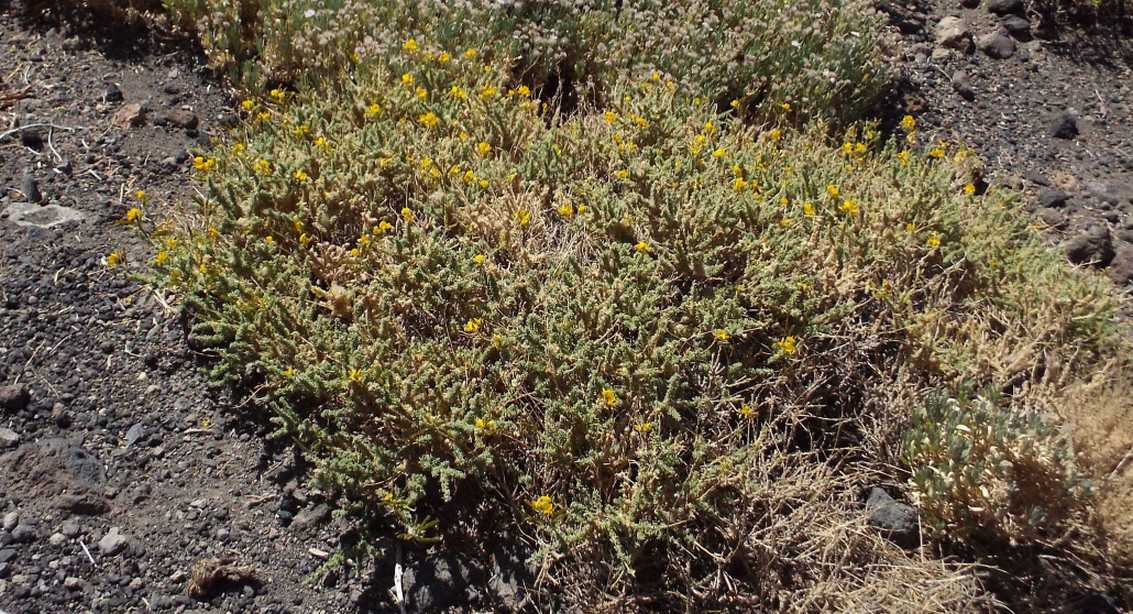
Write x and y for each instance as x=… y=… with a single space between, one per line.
x=644 y=334
x=985 y=471
x=775 y=58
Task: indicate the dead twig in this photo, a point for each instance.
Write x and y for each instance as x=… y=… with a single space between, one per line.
x=209 y=574
x=18 y=129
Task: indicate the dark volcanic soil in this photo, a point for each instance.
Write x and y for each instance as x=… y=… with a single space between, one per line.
x=119 y=470
x=1049 y=110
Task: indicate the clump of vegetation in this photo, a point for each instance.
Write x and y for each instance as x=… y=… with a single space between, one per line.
x=667 y=346
x=773 y=57
x=995 y=475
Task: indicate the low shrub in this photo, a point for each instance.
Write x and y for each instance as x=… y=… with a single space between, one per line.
x=990 y=474
x=660 y=343
x=773 y=57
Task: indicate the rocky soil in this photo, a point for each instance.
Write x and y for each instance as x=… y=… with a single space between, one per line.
x=1048 y=108
x=121 y=472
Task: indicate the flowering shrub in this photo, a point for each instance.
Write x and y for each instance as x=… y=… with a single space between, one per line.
x=773 y=58
x=649 y=335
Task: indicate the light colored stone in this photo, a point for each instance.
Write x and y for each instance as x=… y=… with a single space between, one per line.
x=953 y=33
x=31 y=214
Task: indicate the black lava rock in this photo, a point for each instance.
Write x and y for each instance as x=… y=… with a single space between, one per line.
x=1093 y=246
x=895 y=520
x=112 y=93
x=14 y=397
x=1064 y=126
x=1005 y=7
x=1052 y=198
x=30 y=187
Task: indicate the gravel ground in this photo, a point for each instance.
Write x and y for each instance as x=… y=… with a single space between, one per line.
x=120 y=470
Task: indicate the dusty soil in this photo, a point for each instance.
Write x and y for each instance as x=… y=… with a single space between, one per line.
x=120 y=469
x=1048 y=108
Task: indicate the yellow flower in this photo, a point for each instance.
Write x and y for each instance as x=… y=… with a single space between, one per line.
x=860 y=148
x=609 y=398
x=970 y=189
x=213 y=232
x=470 y=54
x=721 y=335
x=443 y=57
x=709 y=127
x=903 y=156
x=581 y=209
x=910 y=227
x=936 y=152
x=786 y=106
x=847 y=148
x=429 y=120
x=719 y=152
x=469 y=176
x=908 y=123
x=410 y=45
x=787 y=345
x=735 y=103
x=407 y=215
x=203 y=164
x=248 y=104
x=472 y=326
x=523 y=90
x=655 y=77
x=261 y=167
x=457 y=92
x=373 y=109
x=263 y=116
x=483 y=149
x=566 y=210
x=421 y=93
x=488 y=91
x=832 y=191
x=301 y=131
x=739 y=183
x=522 y=217
x=642 y=247
x=543 y=505
x=115 y=258
x=322 y=143
x=643 y=427
x=775 y=134
x=850 y=207
x=485 y=425
x=269 y=240
x=479 y=259
x=746 y=410
x=354 y=375
x=610 y=117
x=622 y=174
x=383 y=227
x=933 y=241
x=133 y=215
x=304 y=239
x=238 y=148
x=407 y=79
x=808 y=209
x=289 y=372
x=161 y=257
x=785 y=222
x=277 y=94
x=300 y=175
